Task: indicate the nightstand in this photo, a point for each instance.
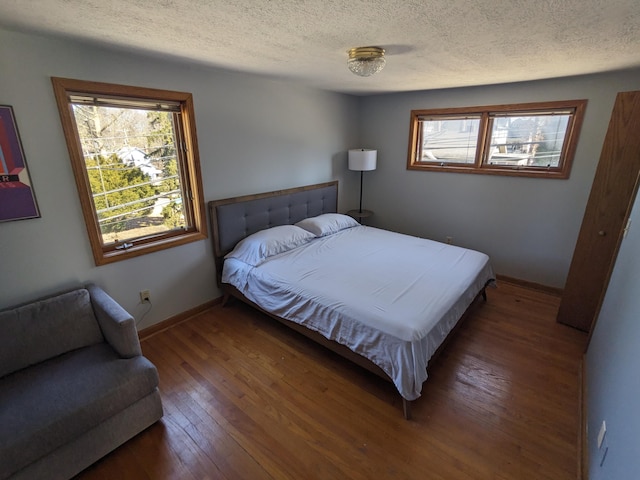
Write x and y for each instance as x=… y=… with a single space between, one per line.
x=360 y=215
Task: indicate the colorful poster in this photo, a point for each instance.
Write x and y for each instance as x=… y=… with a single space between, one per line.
x=17 y=200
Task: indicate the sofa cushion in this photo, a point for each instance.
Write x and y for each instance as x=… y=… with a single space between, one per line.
x=41 y=330
x=49 y=404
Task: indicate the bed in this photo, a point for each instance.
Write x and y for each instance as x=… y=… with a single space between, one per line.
x=384 y=300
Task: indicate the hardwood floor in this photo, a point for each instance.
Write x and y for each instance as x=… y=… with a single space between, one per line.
x=246 y=398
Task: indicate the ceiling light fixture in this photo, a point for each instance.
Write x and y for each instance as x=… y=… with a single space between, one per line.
x=365 y=61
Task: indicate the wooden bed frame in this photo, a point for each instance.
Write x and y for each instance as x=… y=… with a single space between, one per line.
x=285 y=210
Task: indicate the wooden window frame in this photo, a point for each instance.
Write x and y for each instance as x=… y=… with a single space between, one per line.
x=480 y=165
x=191 y=178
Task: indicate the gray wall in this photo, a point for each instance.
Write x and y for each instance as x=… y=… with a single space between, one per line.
x=255 y=134
x=612 y=360
x=527 y=226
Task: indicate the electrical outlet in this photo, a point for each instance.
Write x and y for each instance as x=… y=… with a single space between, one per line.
x=449 y=240
x=145 y=296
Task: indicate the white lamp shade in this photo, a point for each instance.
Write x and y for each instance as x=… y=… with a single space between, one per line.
x=362 y=159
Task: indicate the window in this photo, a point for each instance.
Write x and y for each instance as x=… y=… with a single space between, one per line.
x=135 y=159
x=536 y=139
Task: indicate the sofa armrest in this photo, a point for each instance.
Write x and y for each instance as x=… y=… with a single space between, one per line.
x=117 y=325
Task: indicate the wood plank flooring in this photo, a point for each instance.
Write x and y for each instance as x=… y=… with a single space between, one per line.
x=246 y=398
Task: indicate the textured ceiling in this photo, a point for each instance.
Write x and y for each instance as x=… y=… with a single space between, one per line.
x=430 y=43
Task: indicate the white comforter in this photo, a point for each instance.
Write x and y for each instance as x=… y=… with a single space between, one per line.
x=389 y=297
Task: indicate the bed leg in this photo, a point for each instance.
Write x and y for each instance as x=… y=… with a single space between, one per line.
x=406 y=408
x=225 y=299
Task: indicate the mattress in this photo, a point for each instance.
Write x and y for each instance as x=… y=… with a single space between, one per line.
x=389 y=297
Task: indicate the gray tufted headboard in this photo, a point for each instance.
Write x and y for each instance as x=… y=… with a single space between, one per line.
x=233 y=219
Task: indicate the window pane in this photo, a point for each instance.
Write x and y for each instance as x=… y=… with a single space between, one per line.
x=527 y=139
x=131 y=161
x=449 y=140
x=532 y=140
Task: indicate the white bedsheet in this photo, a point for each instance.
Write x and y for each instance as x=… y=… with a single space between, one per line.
x=389 y=297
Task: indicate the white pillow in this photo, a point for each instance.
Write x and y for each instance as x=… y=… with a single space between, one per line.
x=256 y=248
x=327 y=223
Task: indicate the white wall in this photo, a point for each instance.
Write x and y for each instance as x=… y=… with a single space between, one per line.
x=528 y=226
x=255 y=134
x=612 y=360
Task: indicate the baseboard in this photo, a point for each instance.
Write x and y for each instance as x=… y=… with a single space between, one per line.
x=583 y=440
x=532 y=285
x=181 y=317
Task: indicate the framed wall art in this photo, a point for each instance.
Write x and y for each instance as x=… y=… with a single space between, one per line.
x=17 y=199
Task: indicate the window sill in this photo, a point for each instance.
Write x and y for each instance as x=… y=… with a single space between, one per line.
x=555 y=174
x=111 y=256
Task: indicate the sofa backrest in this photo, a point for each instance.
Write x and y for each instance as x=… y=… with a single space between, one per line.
x=35 y=332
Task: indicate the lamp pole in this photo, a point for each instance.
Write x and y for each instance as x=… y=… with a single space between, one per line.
x=361 y=173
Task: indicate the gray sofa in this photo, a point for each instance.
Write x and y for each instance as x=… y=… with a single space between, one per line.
x=73 y=384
